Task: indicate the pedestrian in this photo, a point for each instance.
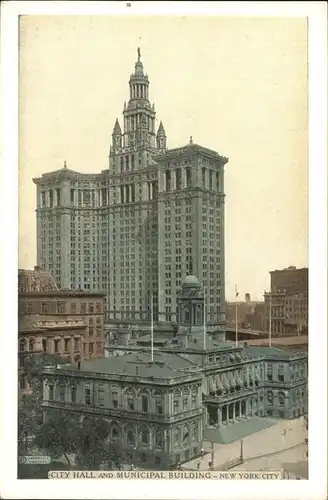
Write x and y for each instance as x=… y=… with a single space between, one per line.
x=284 y=433
x=198 y=464
x=202 y=452
x=210 y=465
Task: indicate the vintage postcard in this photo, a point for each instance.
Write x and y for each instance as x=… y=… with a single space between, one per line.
x=166 y=259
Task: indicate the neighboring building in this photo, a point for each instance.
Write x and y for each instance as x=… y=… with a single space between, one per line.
x=65 y=306
x=288 y=297
x=160 y=406
x=35 y=280
x=43 y=305
x=250 y=314
x=290 y=280
x=39 y=334
x=135 y=230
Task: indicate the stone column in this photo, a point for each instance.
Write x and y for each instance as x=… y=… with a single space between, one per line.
x=234 y=412
x=205 y=416
x=51 y=345
x=173 y=180
x=144 y=191
x=206 y=179
x=162 y=181
x=67 y=392
x=246 y=408
x=219 y=417
x=183 y=178
x=237 y=406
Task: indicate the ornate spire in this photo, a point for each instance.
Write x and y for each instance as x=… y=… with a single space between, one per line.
x=138 y=67
x=65 y=164
x=161 y=130
x=117 y=128
x=190 y=140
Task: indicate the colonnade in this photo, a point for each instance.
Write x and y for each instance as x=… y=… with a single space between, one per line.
x=230 y=413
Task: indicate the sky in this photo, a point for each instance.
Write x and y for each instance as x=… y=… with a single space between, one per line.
x=236 y=85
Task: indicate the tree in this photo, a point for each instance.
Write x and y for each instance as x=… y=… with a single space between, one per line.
x=59 y=435
x=30 y=412
x=93 y=447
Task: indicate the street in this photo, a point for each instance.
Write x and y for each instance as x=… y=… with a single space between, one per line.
x=262 y=450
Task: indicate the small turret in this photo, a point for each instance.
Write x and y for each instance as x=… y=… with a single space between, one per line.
x=161 y=138
x=117 y=135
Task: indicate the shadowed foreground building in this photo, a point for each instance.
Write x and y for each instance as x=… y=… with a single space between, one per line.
x=160 y=409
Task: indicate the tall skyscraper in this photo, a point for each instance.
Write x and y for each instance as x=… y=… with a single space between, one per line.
x=137 y=229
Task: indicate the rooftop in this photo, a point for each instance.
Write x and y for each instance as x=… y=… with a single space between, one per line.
x=62 y=293
x=138 y=364
x=271 y=352
x=191 y=282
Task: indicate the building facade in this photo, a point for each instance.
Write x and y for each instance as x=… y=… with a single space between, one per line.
x=179 y=388
x=60 y=309
x=288 y=301
x=36 y=336
x=250 y=314
x=136 y=230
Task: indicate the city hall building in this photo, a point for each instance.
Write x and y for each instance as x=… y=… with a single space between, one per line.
x=136 y=229
x=163 y=398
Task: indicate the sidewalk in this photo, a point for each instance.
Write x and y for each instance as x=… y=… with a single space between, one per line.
x=282 y=435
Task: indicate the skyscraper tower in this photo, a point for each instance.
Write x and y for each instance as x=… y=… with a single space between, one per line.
x=137 y=229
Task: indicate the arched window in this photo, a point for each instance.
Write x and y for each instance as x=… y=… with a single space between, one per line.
x=159 y=404
x=144 y=403
x=130 y=437
x=198 y=314
x=177 y=435
x=32 y=345
x=281 y=398
x=185 y=399
x=115 y=433
x=159 y=439
x=176 y=402
x=185 y=435
x=50 y=392
x=194 y=397
x=145 y=436
x=194 y=433
x=22 y=344
x=270 y=397
x=130 y=397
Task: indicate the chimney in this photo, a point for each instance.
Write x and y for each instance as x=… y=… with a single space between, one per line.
x=247 y=297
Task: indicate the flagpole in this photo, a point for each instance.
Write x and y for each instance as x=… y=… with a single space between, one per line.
x=236 y=316
x=270 y=319
x=204 y=320
x=151 y=329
